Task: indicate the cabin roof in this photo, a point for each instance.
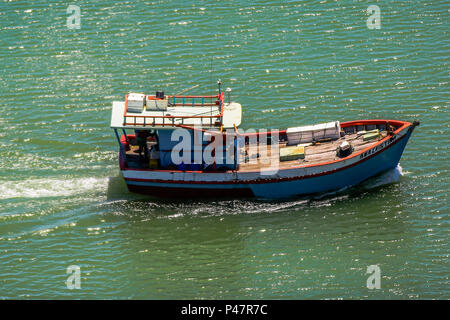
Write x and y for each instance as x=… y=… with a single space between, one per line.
x=177 y=110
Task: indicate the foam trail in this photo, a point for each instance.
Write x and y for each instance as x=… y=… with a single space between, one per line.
x=388 y=177
x=37 y=188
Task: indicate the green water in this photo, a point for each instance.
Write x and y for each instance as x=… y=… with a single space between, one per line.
x=289 y=63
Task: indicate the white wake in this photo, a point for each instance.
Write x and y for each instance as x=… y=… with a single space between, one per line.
x=51 y=187
x=388 y=177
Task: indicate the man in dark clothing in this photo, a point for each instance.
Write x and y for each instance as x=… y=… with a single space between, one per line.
x=141 y=137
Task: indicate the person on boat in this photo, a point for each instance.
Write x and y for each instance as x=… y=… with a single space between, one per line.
x=141 y=137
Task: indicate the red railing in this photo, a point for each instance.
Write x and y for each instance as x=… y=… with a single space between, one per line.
x=148 y=120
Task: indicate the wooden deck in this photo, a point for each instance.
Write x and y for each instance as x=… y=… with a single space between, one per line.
x=253 y=159
x=318 y=153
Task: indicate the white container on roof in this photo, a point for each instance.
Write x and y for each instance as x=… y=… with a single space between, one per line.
x=135 y=102
x=156 y=104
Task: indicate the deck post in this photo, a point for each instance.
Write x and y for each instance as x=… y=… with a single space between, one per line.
x=235 y=152
x=122 y=150
x=125 y=134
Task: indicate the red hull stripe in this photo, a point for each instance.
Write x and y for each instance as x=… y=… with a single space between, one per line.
x=245 y=182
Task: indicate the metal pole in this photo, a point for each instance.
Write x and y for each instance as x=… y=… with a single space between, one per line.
x=125 y=134
x=122 y=150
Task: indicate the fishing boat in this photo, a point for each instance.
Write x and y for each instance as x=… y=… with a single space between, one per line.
x=191 y=146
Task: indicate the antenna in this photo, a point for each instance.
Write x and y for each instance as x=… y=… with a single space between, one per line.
x=211 y=73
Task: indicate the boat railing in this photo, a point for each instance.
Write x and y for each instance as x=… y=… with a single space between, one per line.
x=195 y=101
x=169 y=120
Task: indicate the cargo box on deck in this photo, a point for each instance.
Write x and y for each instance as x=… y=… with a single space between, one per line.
x=292 y=153
x=374 y=134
